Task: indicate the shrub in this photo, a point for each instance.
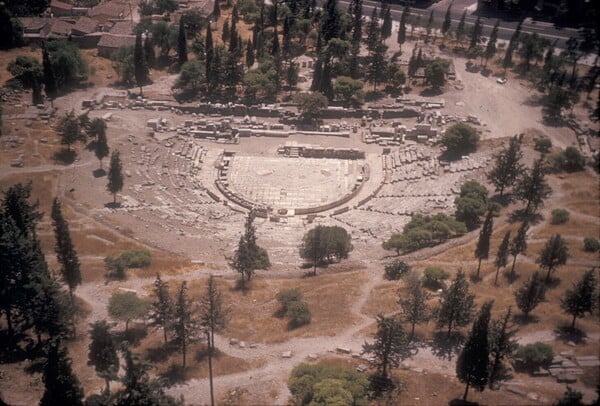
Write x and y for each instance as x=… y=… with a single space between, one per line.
x=433 y=277
x=591 y=244
x=559 y=216
x=460 y=139
x=543 y=145
x=396 y=270
x=136 y=258
x=285 y=297
x=533 y=356
x=298 y=313
x=116 y=267
x=569 y=160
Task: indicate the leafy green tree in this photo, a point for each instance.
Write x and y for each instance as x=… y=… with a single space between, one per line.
x=140 y=69
x=162 y=308
x=482 y=251
x=185 y=325
x=61 y=385
x=68 y=65
x=507 y=167
x=310 y=105
x=472 y=364
x=554 y=254
x=115 y=175
x=69 y=130
x=502 y=344
x=435 y=73
x=456 y=307
x=532 y=187
x=123 y=64
x=249 y=256
x=395 y=270
x=502 y=255
x=192 y=75
x=28 y=71
x=65 y=251
x=414 y=306
x=102 y=354
x=471 y=204
x=349 y=91
x=325 y=243
x=182 y=51
x=262 y=82
x=390 y=346
x=304 y=379
x=582 y=298
x=557 y=100
x=530 y=294
x=126 y=307
x=460 y=139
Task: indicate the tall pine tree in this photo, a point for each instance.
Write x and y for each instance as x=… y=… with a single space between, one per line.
x=65 y=251
x=507 y=167
x=473 y=361
x=102 y=354
x=161 y=312
x=456 y=307
x=502 y=344
x=530 y=294
x=582 y=298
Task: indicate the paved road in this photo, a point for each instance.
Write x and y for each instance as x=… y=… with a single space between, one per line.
x=506 y=30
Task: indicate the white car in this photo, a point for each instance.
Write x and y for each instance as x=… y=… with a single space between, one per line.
x=501 y=80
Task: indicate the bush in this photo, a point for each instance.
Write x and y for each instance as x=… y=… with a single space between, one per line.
x=433 y=277
x=396 y=270
x=530 y=357
x=543 y=145
x=285 y=297
x=460 y=139
x=298 y=313
x=116 y=267
x=569 y=160
x=559 y=216
x=591 y=244
x=136 y=258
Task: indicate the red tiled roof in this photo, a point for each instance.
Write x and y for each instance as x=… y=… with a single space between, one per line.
x=116 y=41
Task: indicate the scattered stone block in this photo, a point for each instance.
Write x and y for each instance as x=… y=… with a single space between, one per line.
x=286 y=354
x=343 y=350
x=541 y=372
x=233 y=341
x=516 y=391
x=568 y=364
x=533 y=396
x=361 y=368
x=566 y=378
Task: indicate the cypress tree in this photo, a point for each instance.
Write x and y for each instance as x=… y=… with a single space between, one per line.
x=182 y=53
x=233 y=38
x=50 y=83
x=414 y=306
x=115 y=175
x=429 y=27
x=460 y=30
x=518 y=245
x=490 y=48
x=287 y=38
x=507 y=167
x=209 y=56
x=386 y=26
x=373 y=33
x=554 y=254
x=447 y=22
x=530 y=294
x=216 y=13
x=482 y=251
x=502 y=344
x=62 y=387
x=225 y=32
x=249 y=54
x=357 y=20
x=476 y=33
x=456 y=307
x=390 y=346
x=102 y=353
x=149 y=52
x=533 y=188
x=512 y=45
x=161 y=312
x=184 y=324
x=472 y=363
x=402 y=26
x=139 y=62
x=502 y=255
x=582 y=298
x=330 y=22
x=101 y=148
x=65 y=252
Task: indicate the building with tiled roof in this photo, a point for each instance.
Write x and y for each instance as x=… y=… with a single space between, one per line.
x=84 y=25
x=60 y=9
x=110 y=10
x=109 y=44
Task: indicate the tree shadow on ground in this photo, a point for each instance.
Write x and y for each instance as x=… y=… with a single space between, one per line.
x=510 y=277
x=431 y=92
x=133 y=335
x=521 y=215
x=553 y=282
x=65 y=156
x=373 y=95
x=162 y=353
x=503 y=200
x=174 y=375
x=521 y=319
x=460 y=402
x=98 y=173
x=566 y=334
x=474 y=278
x=11 y=351
x=444 y=346
x=112 y=205
x=202 y=354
